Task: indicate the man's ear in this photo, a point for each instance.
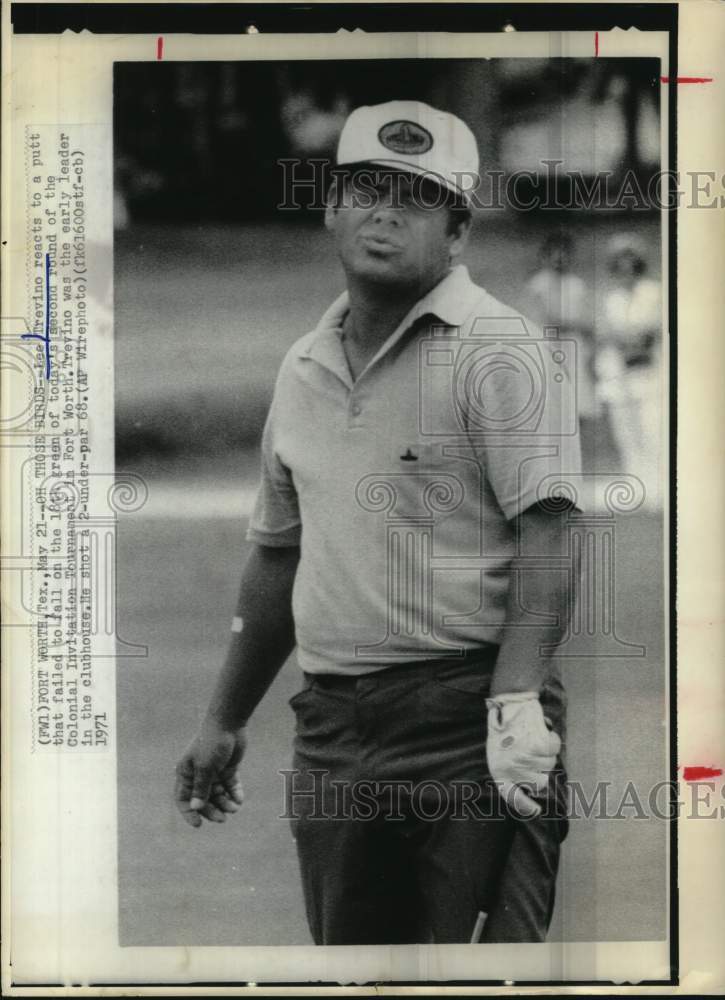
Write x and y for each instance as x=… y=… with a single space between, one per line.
x=330 y=216
x=459 y=237
x=332 y=204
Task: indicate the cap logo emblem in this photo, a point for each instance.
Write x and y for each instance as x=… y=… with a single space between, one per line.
x=406 y=138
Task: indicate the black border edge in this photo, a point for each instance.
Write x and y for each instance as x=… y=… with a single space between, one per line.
x=673 y=513
x=232 y=18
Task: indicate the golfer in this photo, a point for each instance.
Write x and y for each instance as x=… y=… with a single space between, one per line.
x=409 y=538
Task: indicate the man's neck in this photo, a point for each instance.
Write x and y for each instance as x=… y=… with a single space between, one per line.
x=375 y=312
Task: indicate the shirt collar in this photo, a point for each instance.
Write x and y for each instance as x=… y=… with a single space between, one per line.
x=451 y=301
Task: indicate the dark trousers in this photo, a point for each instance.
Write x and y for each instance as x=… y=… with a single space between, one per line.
x=401 y=835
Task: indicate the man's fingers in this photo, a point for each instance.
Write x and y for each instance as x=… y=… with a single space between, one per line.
x=222 y=799
x=233 y=787
x=224 y=803
x=546 y=744
x=518 y=801
x=182 y=791
x=535 y=782
x=207 y=784
x=524 y=805
x=182 y=795
x=530 y=768
x=201 y=787
x=213 y=814
x=191 y=816
x=538 y=782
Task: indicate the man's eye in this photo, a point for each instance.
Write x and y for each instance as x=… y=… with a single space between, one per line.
x=362 y=195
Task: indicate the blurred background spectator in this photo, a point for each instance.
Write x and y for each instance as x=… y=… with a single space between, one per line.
x=557 y=296
x=629 y=361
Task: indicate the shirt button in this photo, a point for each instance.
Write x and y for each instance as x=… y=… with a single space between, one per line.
x=356 y=410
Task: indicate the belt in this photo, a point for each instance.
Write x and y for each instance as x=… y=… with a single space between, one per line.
x=485 y=656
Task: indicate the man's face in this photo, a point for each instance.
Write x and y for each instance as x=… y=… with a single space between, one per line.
x=393 y=230
x=626 y=268
x=559 y=258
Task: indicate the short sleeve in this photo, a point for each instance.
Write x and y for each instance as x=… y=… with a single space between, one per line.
x=275 y=519
x=525 y=425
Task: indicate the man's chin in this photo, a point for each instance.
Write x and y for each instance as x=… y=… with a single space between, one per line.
x=382 y=270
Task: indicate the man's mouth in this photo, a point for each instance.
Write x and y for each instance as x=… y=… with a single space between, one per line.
x=380 y=244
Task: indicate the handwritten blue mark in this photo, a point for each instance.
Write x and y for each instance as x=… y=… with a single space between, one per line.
x=44 y=337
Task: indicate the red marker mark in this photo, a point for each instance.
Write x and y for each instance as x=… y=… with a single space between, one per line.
x=686 y=79
x=596 y=43
x=160 y=47
x=701 y=773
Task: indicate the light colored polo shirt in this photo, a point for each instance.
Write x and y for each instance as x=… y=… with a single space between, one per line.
x=402 y=487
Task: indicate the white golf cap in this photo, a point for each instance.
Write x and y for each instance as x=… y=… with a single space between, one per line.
x=413 y=137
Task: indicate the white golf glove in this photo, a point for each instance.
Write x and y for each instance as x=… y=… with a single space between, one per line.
x=521 y=749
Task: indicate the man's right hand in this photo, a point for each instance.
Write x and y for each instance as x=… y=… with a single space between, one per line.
x=207 y=782
x=521 y=749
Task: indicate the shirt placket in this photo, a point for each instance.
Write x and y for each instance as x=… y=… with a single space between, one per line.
x=358 y=401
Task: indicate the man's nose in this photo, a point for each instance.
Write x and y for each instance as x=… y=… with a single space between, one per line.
x=385 y=214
